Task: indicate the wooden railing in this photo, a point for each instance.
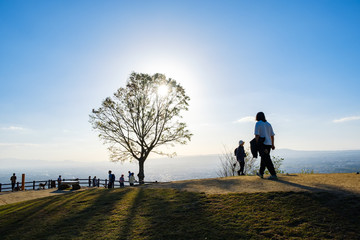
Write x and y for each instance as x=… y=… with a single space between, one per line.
x=84 y=182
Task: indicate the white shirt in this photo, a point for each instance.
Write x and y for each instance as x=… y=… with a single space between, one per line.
x=264 y=129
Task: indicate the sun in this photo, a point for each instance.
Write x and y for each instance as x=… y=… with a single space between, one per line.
x=163 y=90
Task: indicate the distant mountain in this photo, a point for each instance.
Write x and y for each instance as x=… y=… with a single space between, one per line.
x=320 y=161
x=14 y=162
x=180 y=167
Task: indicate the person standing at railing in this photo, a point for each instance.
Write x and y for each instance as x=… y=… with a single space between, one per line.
x=13 y=181
x=59 y=181
x=132 y=179
x=122 y=180
x=94 y=182
x=111 y=179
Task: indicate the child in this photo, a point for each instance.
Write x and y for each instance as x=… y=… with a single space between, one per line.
x=240 y=157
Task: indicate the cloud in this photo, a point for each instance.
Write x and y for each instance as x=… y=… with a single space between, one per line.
x=19 y=145
x=346 y=119
x=13 y=128
x=245 y=119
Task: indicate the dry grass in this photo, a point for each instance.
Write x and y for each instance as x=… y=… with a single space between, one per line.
x=138 y=213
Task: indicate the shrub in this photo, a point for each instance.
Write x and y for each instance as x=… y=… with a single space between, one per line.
x=229 y=165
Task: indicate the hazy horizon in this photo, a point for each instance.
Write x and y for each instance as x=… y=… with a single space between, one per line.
x=179 y=168
x=277 y=152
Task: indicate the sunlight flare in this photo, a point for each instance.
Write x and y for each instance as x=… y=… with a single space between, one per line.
x=163 y=90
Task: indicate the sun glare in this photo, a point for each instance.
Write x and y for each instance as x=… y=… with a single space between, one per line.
x=163 y=90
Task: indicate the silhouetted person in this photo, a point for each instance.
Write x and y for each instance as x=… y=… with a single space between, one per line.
x=59 y=180
x=132 y=179
x=13 y=182
x=264 y=136
x=111 y=179
x=94 y=182
x=240 y=157
x=122 y=180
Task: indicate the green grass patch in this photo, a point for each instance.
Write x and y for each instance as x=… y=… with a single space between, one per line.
x=136 y=213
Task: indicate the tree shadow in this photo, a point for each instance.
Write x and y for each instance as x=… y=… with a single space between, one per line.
x=80 y=211
x=173 y=214
x=125 y=229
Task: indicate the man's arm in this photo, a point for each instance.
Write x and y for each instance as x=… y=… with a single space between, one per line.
x=272 y=142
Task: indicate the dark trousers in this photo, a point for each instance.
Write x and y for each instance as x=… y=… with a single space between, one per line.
x=242 y=165
x=12 y=186
x=265 y=161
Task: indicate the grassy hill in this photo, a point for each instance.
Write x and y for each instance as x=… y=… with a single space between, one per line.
x=145 y=213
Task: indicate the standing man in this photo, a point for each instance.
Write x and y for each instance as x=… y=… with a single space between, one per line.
x=13 y=182
x=110 y=176
x=111 y=179
x=264 y=136
x=59 y=181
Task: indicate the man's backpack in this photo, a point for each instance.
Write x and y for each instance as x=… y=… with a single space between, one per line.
x=235 y=151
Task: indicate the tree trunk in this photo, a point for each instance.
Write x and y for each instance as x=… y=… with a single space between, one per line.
x=141 y=171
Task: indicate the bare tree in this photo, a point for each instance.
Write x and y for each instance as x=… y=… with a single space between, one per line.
x=229 y=165
x=141 y=117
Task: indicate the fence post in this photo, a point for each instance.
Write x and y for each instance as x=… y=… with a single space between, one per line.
x=98 y=182
x=33 y=185
x=0 y=187
x=23 y=182
x=105 y=183
x=17 y=186
x=49 y=182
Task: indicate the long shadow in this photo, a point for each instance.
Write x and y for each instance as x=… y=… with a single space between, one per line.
x=174 y=214
x=11 y=219
x=210 y=182
x=342 y=203
x=303 y=187
x=72 y=223
x=320 y=188
x=34 y=209
x=125 y=230
x=34 y=206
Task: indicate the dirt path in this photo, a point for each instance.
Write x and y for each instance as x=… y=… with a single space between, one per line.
x=13 y=197
x=348 y=183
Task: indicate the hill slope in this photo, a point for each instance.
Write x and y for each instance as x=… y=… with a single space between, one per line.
x=168 y=213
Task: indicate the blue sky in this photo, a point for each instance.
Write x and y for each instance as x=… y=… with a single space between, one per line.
x=297 y=61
